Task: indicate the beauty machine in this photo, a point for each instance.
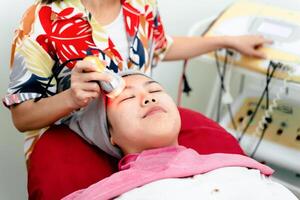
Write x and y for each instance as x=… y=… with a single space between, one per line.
x=278 y=24
x=265 y=114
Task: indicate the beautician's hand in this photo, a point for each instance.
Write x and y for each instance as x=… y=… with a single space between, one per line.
x=83 y=86
x=248 y=45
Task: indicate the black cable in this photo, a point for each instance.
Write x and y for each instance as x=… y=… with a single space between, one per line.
x=56 y=70
x=219 y=71
x=266 y=119
x=231 y=117
x=221 y=82
x=186 y=86
x=260 y=140
x=258 y=104
x=223 y=89
x=267 y=92
x=219 y=105
x=90 y=49
x=274 y=66
x=221 y=76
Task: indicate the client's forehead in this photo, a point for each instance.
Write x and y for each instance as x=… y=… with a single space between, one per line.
x=137 y=80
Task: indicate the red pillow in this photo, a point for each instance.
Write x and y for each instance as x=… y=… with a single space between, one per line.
x=204 y=135
x=62 y=162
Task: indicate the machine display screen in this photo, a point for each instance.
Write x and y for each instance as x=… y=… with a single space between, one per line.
x=275 y=29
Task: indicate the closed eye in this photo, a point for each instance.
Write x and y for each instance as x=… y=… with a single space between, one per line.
x=127 y=98
x=154 y=91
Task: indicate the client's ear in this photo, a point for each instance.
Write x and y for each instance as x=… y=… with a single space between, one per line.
x=112 y=141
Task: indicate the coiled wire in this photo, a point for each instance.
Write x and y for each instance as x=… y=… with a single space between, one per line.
x=267 y=117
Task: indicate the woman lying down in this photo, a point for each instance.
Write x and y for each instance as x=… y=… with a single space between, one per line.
x=144 y=123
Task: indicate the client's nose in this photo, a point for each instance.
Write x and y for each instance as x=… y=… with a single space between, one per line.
x=149 y=100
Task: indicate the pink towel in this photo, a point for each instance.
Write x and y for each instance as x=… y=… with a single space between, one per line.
x=169 y=162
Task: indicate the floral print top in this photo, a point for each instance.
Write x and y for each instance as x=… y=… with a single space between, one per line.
x=52 y=37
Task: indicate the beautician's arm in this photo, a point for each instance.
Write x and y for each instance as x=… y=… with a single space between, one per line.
x=188 y=47
x=30 y=115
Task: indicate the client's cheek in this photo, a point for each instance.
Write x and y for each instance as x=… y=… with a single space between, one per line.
x=130 y=107
x=109 y=102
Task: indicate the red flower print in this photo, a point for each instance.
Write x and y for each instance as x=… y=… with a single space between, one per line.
x=68 y=34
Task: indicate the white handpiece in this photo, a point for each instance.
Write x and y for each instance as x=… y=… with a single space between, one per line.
x=115 y=86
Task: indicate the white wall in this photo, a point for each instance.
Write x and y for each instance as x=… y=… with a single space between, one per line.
x=12 y=164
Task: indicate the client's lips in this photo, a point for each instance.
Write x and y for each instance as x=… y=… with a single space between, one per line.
x=153 y=110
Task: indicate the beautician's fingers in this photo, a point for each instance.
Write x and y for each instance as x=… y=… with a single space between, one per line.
x=85 y=71
x=87 y=66
x=249 y=45
x=84 y=66
x=255 y=40
x=81 y=98
x=83 y=86
x=90 y=87
x=89 y=76
x=258 y=39
x=257 y=53
x=95 y=76
x=84 y=96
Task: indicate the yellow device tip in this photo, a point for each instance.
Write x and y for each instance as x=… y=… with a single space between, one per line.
x=95 y=60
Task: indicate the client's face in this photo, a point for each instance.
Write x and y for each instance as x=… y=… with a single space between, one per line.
x=144 y=116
